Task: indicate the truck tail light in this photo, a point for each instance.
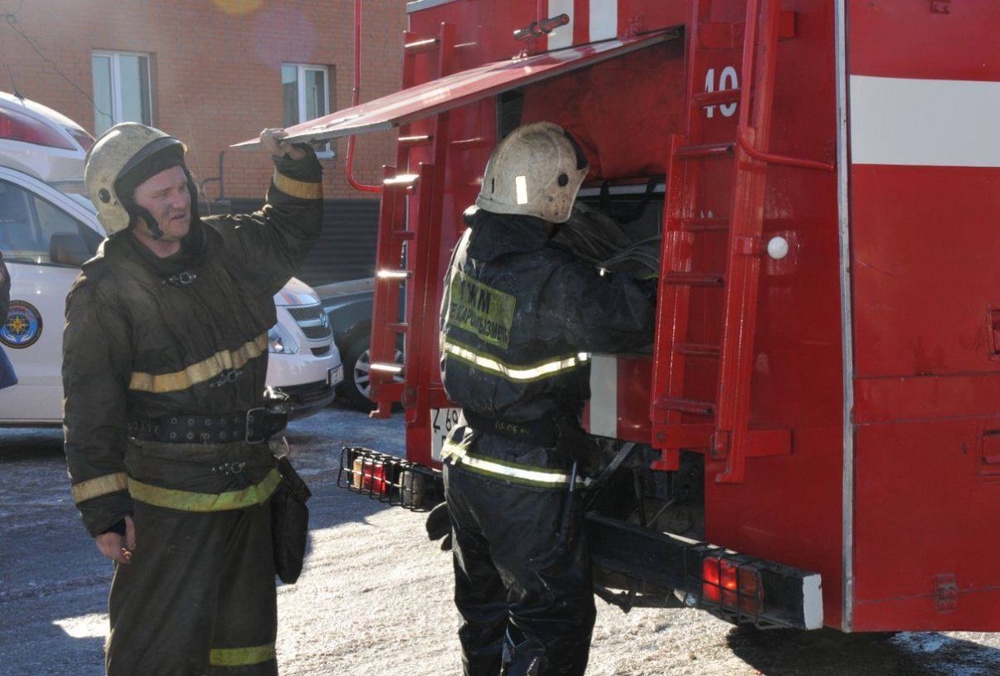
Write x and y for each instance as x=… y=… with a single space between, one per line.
x=387 y=478
x=373 y=478
x=732 y=585
x=369 y=477
x=15 y=126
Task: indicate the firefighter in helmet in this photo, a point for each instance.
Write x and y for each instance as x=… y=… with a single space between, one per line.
x=165 y=355
x=519 y=319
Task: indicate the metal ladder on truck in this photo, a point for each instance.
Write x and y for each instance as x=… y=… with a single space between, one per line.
x=691 y=283
x=407 y=254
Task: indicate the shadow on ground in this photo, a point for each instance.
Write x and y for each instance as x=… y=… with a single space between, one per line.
x=828 y=652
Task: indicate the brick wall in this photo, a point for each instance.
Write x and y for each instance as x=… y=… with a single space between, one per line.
x=215 y=70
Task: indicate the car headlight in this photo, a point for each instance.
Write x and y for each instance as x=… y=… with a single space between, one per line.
x=279 y=342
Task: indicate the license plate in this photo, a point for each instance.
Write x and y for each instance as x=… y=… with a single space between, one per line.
x=335 y=375
x=443 y=421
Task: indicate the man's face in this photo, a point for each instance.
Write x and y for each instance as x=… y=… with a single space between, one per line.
x=165 y=195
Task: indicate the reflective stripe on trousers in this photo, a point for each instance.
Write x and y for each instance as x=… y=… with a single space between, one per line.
x=241 y=657
x=540 y=477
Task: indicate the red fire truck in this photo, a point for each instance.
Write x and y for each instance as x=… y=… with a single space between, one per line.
x=822 y=400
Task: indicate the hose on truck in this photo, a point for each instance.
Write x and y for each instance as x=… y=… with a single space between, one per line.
x=599 y=239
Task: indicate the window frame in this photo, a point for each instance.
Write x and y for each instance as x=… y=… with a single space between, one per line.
x=326 y=150
x=117 y=105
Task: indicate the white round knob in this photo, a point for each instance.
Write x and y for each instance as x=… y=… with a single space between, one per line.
x=777 y=248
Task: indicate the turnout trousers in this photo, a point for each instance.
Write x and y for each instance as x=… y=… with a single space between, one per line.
x=522 y=572
x=198 y=598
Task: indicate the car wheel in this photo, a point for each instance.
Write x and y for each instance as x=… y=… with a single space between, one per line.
x=357 y=368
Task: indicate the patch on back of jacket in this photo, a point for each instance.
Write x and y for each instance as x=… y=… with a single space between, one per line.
x=480 y=309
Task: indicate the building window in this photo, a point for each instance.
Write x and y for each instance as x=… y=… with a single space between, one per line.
x=306 y=92
x=121 y=89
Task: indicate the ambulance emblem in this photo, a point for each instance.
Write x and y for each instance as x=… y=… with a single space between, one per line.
x=23 y=327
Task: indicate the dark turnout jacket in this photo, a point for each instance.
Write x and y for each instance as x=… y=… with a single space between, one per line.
x=147 y=338
x=520 y=317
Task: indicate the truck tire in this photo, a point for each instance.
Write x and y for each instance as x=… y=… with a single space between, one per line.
x=357 y=360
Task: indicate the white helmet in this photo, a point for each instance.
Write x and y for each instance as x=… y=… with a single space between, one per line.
x=536 y=171
x=119 y=161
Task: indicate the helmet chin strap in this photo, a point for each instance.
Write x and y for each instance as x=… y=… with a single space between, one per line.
x=154 y=227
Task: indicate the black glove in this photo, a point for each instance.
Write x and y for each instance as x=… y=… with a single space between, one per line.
x=439 y=525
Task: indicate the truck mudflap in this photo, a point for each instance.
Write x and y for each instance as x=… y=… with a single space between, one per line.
x=732 y=586
x=389 y=479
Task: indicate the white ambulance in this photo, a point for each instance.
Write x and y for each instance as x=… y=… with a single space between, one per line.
x=48 y=227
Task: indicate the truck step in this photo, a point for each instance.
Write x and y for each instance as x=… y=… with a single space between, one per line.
x=687 y=406
x=705 y=224
x=708 y=151
x=698 y=350
x=694 y=278
x=708 y=99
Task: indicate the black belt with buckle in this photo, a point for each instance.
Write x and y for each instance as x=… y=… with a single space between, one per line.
x=254 y=426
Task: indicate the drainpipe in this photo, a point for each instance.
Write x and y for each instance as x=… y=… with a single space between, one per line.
x=217 y=179
x=354 y=101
